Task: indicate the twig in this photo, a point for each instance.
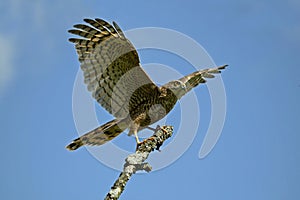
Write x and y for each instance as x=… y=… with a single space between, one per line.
x=135 y=162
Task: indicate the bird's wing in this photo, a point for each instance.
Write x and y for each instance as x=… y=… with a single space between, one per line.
x=110 y=64
x=194 y=79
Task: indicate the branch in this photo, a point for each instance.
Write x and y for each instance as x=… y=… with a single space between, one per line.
x=135 y=162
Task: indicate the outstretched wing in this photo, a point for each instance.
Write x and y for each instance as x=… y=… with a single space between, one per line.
x=110 y=64
x=194 y=79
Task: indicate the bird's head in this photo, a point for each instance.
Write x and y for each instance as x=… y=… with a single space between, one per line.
x=177 y=87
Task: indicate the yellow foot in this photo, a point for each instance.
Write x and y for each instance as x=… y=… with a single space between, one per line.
x=137 y=138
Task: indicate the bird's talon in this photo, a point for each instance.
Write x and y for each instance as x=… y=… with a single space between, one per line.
x=138 y=144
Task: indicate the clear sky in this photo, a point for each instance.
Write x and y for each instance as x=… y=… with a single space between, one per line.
x=257 y=155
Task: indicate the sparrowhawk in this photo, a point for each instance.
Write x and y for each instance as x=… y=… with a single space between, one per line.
x=114 y=75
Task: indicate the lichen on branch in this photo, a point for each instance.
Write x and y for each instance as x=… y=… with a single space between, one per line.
x=136 y=161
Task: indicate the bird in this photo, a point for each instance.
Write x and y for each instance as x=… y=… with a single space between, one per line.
x=114 y=75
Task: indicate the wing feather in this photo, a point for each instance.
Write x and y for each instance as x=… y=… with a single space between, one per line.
x=110 y=64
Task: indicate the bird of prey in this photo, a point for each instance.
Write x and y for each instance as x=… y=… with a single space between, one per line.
x=113 y=73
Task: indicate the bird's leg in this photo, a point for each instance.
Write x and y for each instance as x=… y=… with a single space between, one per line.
x=136 y=137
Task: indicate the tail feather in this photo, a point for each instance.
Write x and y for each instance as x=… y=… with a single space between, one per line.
x=100 y=135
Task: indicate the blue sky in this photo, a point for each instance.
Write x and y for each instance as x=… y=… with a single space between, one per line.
x=257 y=156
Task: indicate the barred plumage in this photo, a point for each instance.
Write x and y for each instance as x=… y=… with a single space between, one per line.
x=113 y=74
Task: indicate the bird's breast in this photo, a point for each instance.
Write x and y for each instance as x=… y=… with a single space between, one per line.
x=146 y=111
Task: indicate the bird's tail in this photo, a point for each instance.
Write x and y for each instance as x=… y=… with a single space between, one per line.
x=100 y=135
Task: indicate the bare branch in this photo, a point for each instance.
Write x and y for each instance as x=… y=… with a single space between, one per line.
x=135 y=162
